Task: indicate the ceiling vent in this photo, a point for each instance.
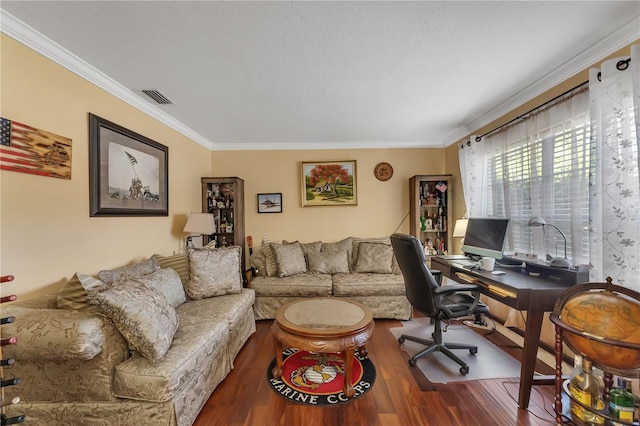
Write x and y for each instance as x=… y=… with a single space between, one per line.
x=157 y=96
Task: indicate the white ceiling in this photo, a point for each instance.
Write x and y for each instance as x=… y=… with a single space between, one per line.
x=319 y=74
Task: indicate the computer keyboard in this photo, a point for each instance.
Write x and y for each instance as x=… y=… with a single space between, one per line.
x=466 y=262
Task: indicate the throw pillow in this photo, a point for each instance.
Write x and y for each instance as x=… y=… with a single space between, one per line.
x=329 y=262
x=134 y=271
x=375 y=257
x=271 y=264
x=178 y=262
x=74 y=294
x=290 y=259
x=167 y=282
x=342 y=246
x=307 y=248
x=142 y=315
x=381 y=240
x=214 y=272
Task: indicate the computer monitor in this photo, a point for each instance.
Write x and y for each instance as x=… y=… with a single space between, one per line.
x=485 y=237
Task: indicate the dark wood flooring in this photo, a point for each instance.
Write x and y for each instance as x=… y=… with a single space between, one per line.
x=401 y=395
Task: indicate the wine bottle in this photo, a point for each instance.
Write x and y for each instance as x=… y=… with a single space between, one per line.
x=8 y=298
x=8 y=341
x=9 y=382
x=585 y=388
x=4 y=420
x=11 y=401
x=7 y=361
x=7 y=320
x=622 y=402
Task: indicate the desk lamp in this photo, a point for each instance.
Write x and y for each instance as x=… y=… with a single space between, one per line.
x=556 y=262
x=199 y=224
x=460 y=229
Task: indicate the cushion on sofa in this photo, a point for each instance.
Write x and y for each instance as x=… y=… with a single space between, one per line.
x=142 y=315
x=168 y=282
x=307 y=285
x=289 y=259
x=381 y=240
x=329 y=262
x=270 y=257
x=110 y=276
x=368 y=284
x=374 y=257
x=74 y=293
x=178 y=262
x=214 y=272
x=307 y=248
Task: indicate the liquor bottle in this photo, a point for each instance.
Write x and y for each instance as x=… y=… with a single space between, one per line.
x=423 y=221
x=622 y=401
x=585 y=388
x=577 y=367
x=230 y=223
x=224 y=241
x=9 y=382
x=429 y=221
x=4 y=420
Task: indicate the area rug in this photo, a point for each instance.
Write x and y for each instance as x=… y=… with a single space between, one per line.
x=489 y=363
x=317 y=378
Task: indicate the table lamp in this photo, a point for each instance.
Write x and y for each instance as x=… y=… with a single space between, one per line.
x=556 y=262
x=460 y=229
x=199 y=224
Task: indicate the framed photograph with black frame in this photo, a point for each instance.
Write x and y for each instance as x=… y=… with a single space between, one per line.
x=270 y=203
x=128 y=173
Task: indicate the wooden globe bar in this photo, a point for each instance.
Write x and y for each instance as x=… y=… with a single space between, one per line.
x=600 y=321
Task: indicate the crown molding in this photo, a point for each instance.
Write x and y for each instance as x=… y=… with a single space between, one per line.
x=303 y=146
x=595 y=53
x=23 y=33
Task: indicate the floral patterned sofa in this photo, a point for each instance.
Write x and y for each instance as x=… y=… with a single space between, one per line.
x=360 y=269
x=140 y=345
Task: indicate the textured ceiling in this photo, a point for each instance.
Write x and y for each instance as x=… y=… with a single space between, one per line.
x=278 y=75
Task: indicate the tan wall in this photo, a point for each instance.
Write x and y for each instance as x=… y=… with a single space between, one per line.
x=381 y=205
x=46 y=231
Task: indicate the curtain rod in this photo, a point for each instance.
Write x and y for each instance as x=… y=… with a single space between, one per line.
x=521 y=116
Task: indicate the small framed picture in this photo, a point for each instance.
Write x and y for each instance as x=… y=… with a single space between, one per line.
x=270 y=203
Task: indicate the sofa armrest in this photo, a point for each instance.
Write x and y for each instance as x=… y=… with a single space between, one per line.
x=53 y=334
x=259 y=261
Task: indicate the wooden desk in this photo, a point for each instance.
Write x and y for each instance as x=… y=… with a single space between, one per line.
x=535 y=295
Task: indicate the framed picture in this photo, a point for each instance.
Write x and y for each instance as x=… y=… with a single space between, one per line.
x=329 y=183
x=128 y=173
x=270 y=203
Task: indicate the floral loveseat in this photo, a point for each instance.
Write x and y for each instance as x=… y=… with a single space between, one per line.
x=360 y=269
x=140 y=345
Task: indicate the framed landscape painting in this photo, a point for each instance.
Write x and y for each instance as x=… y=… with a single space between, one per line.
x=329 y=183
x=128 y=173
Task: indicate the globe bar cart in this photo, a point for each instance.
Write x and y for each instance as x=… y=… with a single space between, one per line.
x=600 y=322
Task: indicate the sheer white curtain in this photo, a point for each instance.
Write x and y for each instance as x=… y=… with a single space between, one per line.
x=615 y=191
x=537 y=166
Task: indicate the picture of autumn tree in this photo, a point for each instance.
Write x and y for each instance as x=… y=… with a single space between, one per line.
x=329 y=183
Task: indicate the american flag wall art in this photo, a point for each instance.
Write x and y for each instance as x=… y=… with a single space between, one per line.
x=26 y=149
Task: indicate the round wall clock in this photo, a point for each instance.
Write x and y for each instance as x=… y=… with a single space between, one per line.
x=383 y=171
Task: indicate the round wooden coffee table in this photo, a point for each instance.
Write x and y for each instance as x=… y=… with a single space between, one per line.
x=323 y=325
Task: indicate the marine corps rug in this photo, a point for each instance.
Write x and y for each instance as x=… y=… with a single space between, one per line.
x=311 y=378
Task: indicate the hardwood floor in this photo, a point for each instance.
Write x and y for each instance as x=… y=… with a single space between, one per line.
x=245 y=398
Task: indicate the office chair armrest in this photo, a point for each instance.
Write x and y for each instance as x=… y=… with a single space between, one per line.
x=452 y=288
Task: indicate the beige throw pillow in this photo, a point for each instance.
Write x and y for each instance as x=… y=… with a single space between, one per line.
x=167 y=282
x=329 y=262
x=214 y=272
x=375 y=258
x=290 y=259
x=110 y=276
x=74 y=294
x=270 y=257
x=177 y=262
x=142 y=315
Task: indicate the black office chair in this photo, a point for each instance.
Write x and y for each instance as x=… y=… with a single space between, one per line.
x=440 y=303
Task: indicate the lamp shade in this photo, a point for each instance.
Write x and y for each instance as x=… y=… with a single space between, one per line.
x=461 y=228
x=200 y=223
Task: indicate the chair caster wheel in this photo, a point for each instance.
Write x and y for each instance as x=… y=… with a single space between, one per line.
x=412 y=362
x=473 y=351
x=464 y=370
x=401 y=340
